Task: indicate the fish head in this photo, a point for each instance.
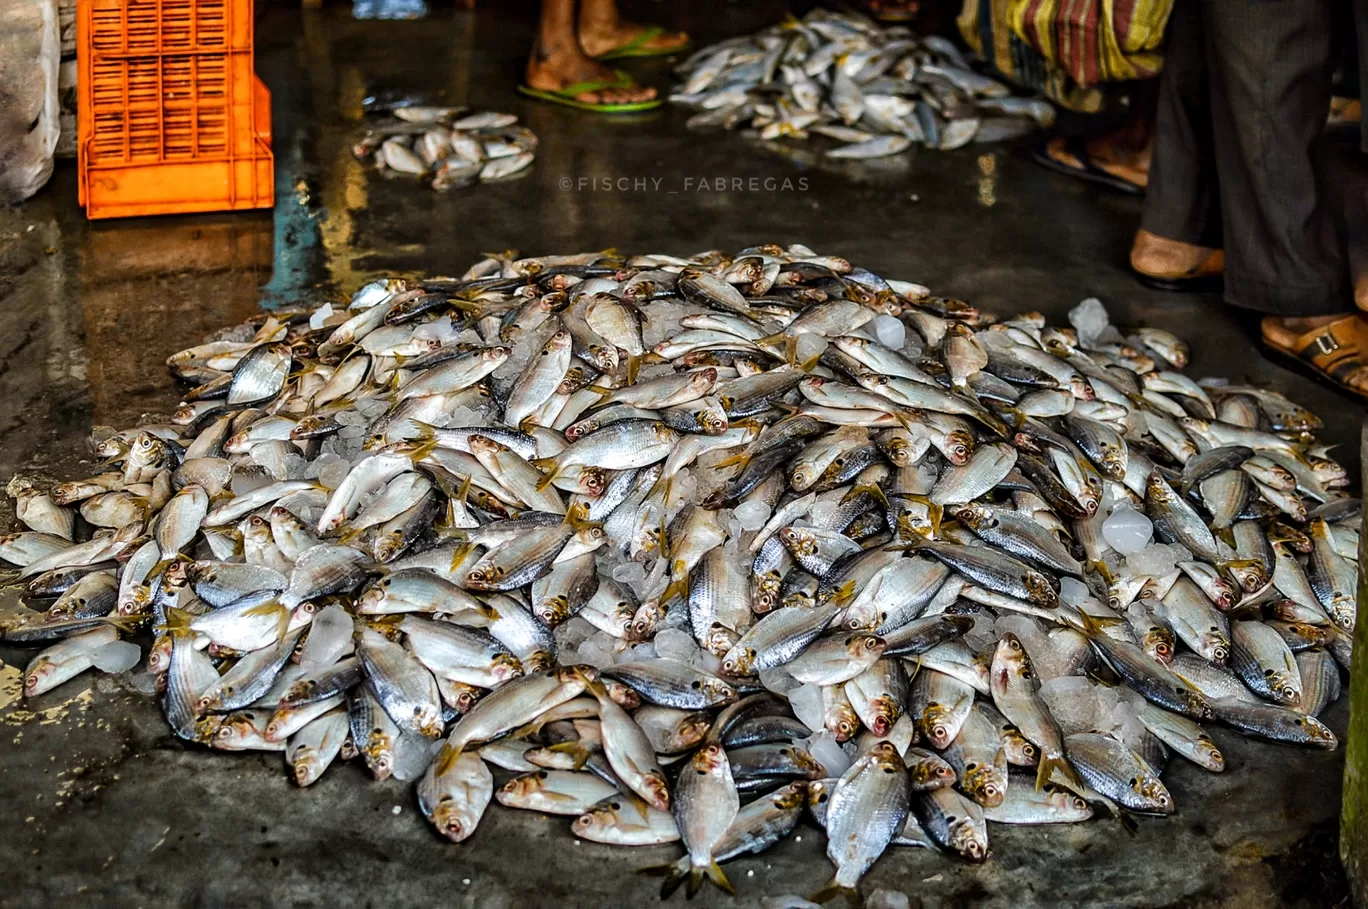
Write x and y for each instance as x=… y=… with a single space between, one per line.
x=716 y=689
x=739 y=661
x=624 y=696
x=1041 y=590
x=36 y=679
x=712 y=418
x=1317 y=733
x=1215 y=646
x=985 y=783
x=1010 y=659
x=798 y=541
x=1148 y=787
x=522 y=787
x=1211 y=756
x=767 y=591
x=966 y=839
x=1020 y=750
x=1195 y=704
x=841 y=721
x=452 y=819
x=791 y=797
x=657 y=791
x=934 y=725
x=884 y=710
x=1159 y=644
x=502 y=668
x=719 y=641
x=582 y=428
x=159 y=655
x=709 y=759
x=591 y=481
x=307 y=767
x=693 y=729
x=1284 y=686
x=959 y=447
x=234 y=730
x=494 y=355
x=865 y=647
x=552 y=610
x=974 y=516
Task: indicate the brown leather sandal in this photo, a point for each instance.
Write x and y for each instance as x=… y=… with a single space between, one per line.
x=1330 y=353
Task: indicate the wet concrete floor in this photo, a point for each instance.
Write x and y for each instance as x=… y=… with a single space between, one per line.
x=105 y=808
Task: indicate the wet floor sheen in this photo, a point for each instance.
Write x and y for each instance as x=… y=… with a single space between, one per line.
x=106 y=809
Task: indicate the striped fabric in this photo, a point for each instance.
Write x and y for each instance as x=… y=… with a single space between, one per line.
x=983 y=25
x=1095 y=41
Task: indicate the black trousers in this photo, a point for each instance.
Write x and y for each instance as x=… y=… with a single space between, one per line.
x=1239 y=158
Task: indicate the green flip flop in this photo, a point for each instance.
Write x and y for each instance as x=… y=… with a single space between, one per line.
x=566 y=96
x=637 y=46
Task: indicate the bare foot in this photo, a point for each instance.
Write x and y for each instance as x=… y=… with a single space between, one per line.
x=556 y=71
x=603 y=30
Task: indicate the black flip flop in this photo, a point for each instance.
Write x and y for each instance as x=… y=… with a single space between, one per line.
x=1200 y=284
x=1089 y=171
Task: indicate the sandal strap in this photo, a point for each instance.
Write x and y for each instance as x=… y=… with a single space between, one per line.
x=1333 y=351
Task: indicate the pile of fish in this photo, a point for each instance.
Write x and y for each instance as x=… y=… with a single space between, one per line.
x=839 y=75
x=699 y=547
x=448 y=147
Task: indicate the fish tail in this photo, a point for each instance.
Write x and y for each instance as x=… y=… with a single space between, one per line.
x=633 y=367
x=810 y=363
x=574 y=749
x=736 y=460
x=832 y=890
x=1047 y=766
x=675 y=873
x=868 y=489
x=719 y=879
x=549 y=468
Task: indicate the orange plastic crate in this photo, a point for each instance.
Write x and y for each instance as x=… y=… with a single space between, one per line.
x=171 y=117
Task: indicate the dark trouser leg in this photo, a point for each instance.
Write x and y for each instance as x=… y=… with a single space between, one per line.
x=1269 y=68
x=1181 y=202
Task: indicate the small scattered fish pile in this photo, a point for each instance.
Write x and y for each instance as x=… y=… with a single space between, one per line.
x=839 y=75
x=448 y=147
x=698 y=547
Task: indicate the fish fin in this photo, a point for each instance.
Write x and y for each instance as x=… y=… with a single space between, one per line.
x=809 y=364
x=347 y=536
x=177 y=619
x=678 y=586
x=736 y=460
x=1101 y=568
x=869 y=488
x=550 y=470
x=446 y=757
x=1047 y=766
x=129 y=623
x=675 y=873
x=833 y=890
x=577 y=516
x=575 y=750
x=633 y=367
x=719 y=879
x=843 y=594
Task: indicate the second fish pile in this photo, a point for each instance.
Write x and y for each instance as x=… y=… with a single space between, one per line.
x=447 y=147
x=697 y=547
x=877 y=90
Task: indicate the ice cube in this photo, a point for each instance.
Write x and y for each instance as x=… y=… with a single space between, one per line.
x=330 y=634
x=788 y=901
x=752 y=514
x=244 y=481
x=707 y=660
x=632 y=574
x=571 y=634
x=809 y=346
x=1073 y=592
x=1073 y=702
x=821 y=513
x=639 y=653
x=368 y=409
x=674 y=644
x=1156 y=560
x=888 y=899
x=412 y=754
x=778 y=680
x=320 y=316
x=1127 y=530
x=890 y=331
x=823 y=746
x=806 y=701
x=331 y=474
x=597 y=650
x=117 y=656
x=1089 y=318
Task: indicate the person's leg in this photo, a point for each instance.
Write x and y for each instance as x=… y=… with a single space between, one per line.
x=1270 y=95
x=1180 y=204
x=602 y=29
x=557 y=60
